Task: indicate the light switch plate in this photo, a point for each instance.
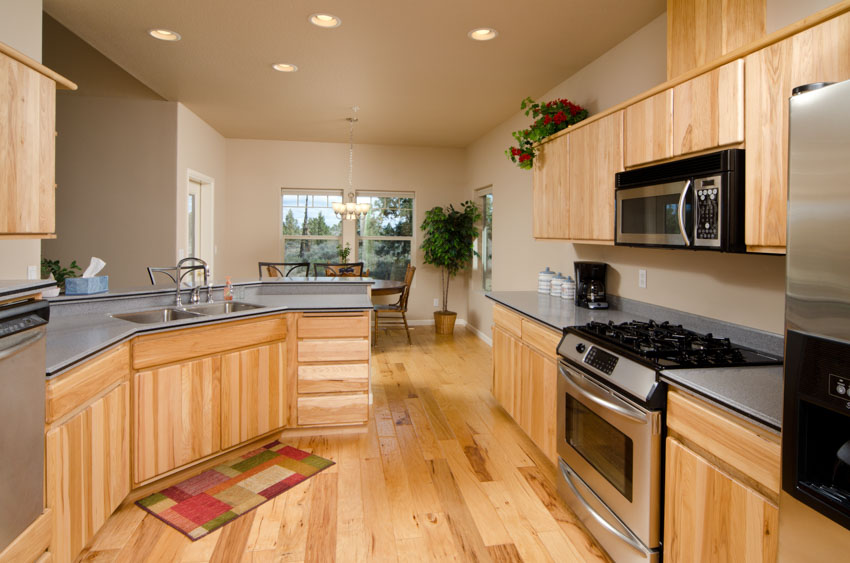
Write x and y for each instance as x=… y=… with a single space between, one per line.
x=32 y=272
x=642 y=278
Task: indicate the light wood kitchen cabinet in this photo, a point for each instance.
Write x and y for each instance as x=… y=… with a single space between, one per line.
x=595 y=156
x=550 y=191
x=253 y=393
x=701 y=31
x=177 y=415
x=709 y=516
x=27 y=146
x=88 y=470
x=525 y=376
x=819 y=54
x=708 y=111
x=648 y=129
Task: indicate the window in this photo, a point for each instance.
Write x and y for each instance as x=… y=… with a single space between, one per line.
x=310 y=232
x=385 y=234
x=485 y=200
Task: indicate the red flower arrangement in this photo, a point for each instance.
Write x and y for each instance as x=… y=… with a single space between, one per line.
x=549 y=118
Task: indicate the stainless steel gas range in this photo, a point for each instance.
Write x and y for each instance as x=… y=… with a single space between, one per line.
x=611 y=424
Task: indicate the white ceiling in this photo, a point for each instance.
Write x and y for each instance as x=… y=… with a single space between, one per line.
x=409 y=65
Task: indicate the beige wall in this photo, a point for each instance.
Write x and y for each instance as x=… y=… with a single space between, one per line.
x=780 y=13
x=748 y=290
x=20 y=28
x=201 y=150
x=257 y=170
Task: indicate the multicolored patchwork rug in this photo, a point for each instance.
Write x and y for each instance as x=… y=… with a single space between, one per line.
x=199 y=505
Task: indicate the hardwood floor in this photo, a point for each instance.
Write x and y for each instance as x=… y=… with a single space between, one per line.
x=442 y=473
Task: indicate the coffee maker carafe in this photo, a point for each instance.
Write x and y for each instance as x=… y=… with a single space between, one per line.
x=590 y=284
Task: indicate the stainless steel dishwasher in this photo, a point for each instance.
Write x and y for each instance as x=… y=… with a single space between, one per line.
x=22 y=387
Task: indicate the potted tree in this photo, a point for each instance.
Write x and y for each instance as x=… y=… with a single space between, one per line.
x=449 y=234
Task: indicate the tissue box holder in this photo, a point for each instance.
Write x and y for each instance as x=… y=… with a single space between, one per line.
x=86 y=286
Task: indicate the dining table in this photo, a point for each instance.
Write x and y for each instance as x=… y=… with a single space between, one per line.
x=387 y=287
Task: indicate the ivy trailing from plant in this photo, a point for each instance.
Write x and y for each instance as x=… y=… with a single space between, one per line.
x=549 y=118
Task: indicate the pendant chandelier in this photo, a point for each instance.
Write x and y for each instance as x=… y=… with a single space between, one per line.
x=351 y=209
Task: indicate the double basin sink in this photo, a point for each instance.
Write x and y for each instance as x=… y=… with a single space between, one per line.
x=167 y=314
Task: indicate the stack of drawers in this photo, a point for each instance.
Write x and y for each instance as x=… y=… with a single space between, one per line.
x=333 y=368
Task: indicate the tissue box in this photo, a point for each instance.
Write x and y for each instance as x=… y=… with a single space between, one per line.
x=86 y=286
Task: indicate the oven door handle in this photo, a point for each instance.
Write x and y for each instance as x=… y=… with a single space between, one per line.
x=568 y=477
x=681 y=212
x=611 y=403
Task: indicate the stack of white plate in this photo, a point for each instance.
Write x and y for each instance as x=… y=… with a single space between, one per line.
x=544 y=280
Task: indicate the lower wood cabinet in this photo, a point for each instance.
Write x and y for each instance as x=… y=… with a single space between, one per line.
x=253 y=393
x=342 y=408
x=507 y=366
x=88 y=471
x=177 y=415
x=709 y=516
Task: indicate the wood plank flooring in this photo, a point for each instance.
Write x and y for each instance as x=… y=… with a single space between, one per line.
x=442 y=474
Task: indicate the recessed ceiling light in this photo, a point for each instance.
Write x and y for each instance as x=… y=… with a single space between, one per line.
x=483 y=34
x=164 y=34
x=285 y=67
x=325 y=20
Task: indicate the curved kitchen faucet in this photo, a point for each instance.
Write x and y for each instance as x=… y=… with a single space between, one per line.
x=179 y=277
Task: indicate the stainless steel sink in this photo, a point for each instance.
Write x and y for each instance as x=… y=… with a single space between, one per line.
x=157 y=316
x=222 y=308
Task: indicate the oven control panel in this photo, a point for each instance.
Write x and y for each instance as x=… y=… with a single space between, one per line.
x=839 y=387
x=601 y=360
x=707 y=215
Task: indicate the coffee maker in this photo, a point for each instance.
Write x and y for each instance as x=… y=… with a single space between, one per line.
x=590 y=284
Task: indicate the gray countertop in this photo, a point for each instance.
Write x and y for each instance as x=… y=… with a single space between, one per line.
x=753 y=392
x=9 y=289
x=71 y=338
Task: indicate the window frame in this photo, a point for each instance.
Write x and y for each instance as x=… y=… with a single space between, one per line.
x=308 y=192
x=482 y=263
x=397 y=194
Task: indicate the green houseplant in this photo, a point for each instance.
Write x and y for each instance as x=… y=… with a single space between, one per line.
x=549 y=118
x=449 y=235
x=59 y=272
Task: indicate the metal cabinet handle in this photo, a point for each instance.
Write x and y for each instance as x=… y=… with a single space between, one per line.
x=568 y=477
x=681 y=214
x=31 y=339
x=611 y=403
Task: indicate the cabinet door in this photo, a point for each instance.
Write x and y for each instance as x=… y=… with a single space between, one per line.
x=253 y=393
x=709 y=516
x=177 y=416
x=648 y=129
x=539 y=392
x=550 y=191
x=819 y=54
x=708 y=111
x=507 y=363
x=596 y=154
x=27 y=150
x=88 y=471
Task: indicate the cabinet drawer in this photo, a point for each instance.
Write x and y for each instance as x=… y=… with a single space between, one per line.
x=333 y=350
x=745 y=447
x=336 y=326
x=164 y=348
x=507 y=320
x=333 y=409
x=333 y=378
x=544 y=339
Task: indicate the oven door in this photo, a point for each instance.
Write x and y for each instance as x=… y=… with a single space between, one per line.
x=614 y=447
x=658 y=215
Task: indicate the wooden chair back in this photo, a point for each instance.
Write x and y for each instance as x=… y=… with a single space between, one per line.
x=277 y=269
x=408 y=281
x=171 y=272
x=350 y=270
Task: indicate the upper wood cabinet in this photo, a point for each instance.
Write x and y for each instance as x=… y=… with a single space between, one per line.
x=819 y=54
x=595 y=155
x=701 y=31
x=708 y=111
x=550 y=191
x=648 y=129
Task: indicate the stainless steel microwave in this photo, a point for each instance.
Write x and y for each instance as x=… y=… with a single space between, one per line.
x=695 y=203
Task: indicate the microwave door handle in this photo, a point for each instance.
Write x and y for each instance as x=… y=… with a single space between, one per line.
x=611 y=403
x=681 y=214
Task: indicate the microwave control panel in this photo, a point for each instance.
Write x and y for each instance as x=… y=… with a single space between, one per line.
x=707 y=217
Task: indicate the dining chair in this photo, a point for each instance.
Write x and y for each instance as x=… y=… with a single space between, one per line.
x=397 y=311
x=275 y=269
x=171 y=272
x=351 y=269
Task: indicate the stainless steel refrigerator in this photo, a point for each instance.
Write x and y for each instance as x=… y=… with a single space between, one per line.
x=814 y=510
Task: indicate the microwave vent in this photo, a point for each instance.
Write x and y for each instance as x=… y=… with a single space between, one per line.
x=702 y=165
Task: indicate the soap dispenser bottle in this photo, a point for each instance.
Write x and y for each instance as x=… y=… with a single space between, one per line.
x=228 y=289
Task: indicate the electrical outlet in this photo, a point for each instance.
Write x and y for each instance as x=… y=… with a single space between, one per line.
x=642 y=278
x=32 y=272
x=436 y=302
